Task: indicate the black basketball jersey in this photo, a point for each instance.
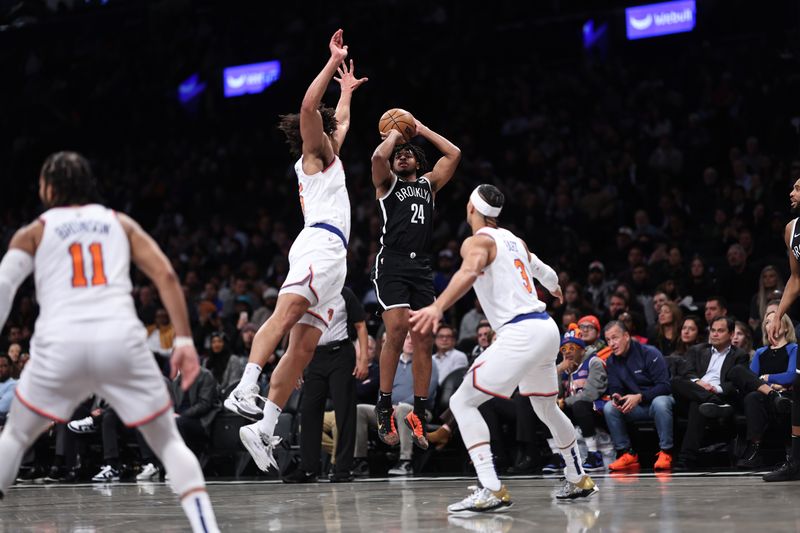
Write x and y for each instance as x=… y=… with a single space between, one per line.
x=794 y=244
x=407 y=215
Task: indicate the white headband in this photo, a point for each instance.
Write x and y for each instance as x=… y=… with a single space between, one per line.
x=481 y=206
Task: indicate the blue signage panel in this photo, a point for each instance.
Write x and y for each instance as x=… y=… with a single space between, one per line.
x=664 y=18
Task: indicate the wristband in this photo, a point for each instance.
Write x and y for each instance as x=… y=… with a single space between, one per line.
x=180 y=342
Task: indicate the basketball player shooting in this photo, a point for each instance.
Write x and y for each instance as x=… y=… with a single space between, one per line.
x=403 y=275
x=499 y=266
x=88 y=339
x=317 y=258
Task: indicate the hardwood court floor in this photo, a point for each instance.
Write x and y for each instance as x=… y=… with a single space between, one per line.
x=636 y=503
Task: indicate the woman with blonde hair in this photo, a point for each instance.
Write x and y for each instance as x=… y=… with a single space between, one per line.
x=769 y=281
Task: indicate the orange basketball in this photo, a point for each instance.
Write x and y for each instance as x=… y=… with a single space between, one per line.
x=400 y=120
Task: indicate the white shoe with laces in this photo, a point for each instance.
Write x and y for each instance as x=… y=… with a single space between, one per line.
x=260 y=445
x=242 y=401
x=150 y=472
x=106 y=474
x=84 y=425
x=483 y=500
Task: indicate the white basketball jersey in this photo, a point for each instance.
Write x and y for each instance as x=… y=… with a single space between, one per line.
x=505 y=287
x=82 y=267
x=323 y=196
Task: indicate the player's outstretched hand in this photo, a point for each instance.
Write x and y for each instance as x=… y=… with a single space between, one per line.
x=337 y=46
x=558 y=295
x=347 y=77
x=426 y=319
x=185 y=360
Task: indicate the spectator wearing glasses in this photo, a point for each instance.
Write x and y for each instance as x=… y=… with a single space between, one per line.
x=484 y=338
x=446 y=358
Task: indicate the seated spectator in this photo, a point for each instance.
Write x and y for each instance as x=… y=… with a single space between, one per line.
x=769 y=281
x=589 y=327
x=774 y=365
x=227 y=368
x=470 y=321
x=583 y=384
x=196 y=408
x=483 y=335
x=743 y=338
x=7 y=387
x=403 y=394
x=14 y=352
x=708 y=379
x=716 y=306
x=161 y=334
x=689 y=336
x=668 y=328
x=446 y=358
x=638 y=382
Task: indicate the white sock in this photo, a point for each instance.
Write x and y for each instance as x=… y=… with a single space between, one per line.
x=553 y=447
x=484 y=466
x=197 y=507
x=270 y=420
x=591 y=443
x=250 y=376
x=572 y=457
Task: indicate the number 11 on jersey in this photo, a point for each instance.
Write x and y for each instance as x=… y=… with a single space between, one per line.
x=78 y=270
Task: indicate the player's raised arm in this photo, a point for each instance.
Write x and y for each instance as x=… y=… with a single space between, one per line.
x=544 y=274
x=348 y=83
x=790 y=292
x=315 y=142
x=445 y=167
x=17 y=264
x=148 y=257
x=381 y=165
x=477 y=252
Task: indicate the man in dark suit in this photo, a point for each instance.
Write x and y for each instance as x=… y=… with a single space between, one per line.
x=708 y=379
x=196 y=408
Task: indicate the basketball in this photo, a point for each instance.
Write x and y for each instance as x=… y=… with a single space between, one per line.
x=400 y=120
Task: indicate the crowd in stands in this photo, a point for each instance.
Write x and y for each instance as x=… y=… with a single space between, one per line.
x=658 y=194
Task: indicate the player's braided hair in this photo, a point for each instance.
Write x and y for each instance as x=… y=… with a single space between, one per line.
x=290 y=126
x=419 y=155
x=492 y=195
x=70 y=176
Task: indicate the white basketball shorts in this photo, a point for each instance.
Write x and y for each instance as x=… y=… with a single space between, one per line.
x=110 y=359
x=524 y=356
x=317 y=269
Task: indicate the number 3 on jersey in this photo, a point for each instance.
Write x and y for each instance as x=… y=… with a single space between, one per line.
x=526 y=280
x=78 y=270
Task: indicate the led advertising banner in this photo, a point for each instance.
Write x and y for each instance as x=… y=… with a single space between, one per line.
x=665 y=18
x=250 y=79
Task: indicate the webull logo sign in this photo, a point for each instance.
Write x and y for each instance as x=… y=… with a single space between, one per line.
x=250 y=79
x=665 y=18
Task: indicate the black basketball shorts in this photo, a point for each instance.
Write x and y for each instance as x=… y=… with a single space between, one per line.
x=402 y=280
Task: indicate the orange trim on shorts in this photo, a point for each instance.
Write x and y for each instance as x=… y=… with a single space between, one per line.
x=152 y=417
x=542 y=394
x=309 y=278
x=36 y=410
x=485 y=391
x=315 y=315
x=192 y=491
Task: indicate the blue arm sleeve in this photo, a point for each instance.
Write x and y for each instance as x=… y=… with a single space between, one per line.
x=755 y=364
x=787 y=378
